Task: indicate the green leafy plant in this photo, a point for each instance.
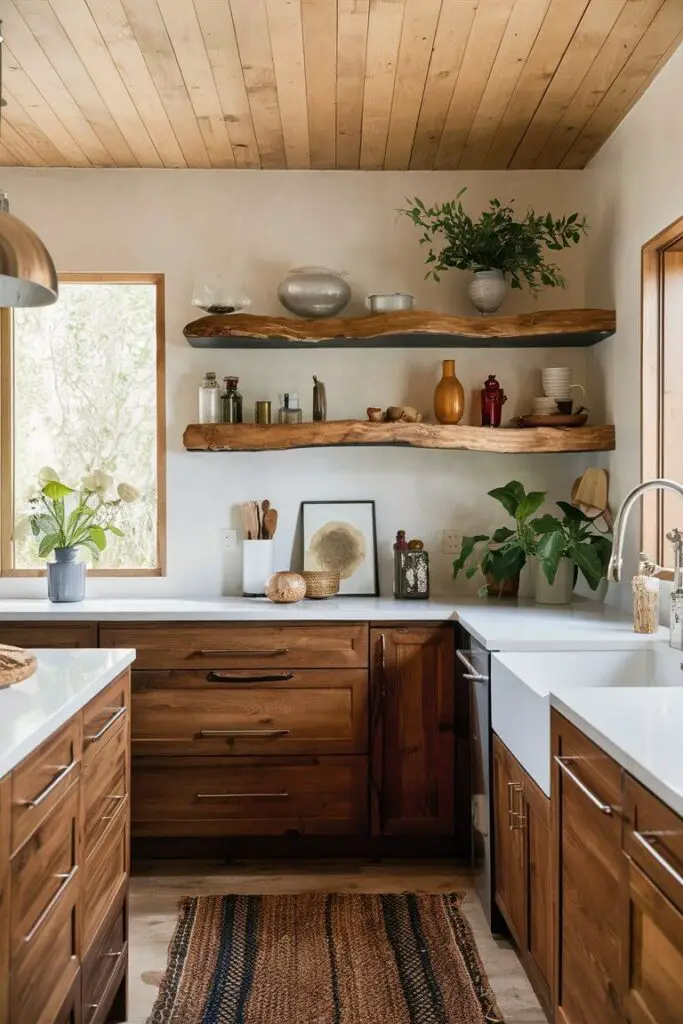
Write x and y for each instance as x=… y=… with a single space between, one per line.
x=504 y=553
x=496 y=241
x=89 y=519
x=548 y=538
x=574 y=537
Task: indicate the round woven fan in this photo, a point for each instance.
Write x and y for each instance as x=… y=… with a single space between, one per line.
x=15 y=665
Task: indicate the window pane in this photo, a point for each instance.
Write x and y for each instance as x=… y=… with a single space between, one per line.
x=85 y=399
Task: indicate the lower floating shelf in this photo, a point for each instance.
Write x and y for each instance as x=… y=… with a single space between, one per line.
x=253 y=437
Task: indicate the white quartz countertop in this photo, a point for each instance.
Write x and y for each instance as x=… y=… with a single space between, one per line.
x=64 y=682
x=640 y=727
x=498 y=625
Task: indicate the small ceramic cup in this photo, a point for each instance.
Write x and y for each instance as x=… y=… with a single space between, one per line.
x=543 y=406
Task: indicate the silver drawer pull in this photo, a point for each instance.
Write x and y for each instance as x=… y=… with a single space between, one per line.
x=472 y=673
x=66 y=879
x=647 y=841
x=561 y=761
x=240 y=796
x=273 y=652
x=114 y=955
x=118 y=712
x=236 y=733
x=50 y=788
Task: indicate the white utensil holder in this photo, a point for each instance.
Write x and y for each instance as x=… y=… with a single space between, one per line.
x=257 y=566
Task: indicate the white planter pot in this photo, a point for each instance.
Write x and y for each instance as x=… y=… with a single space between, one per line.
x=488 y=290
x=560 y=590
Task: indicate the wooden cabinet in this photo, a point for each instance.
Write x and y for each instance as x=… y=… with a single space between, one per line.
x=523 y=876
x=509 y=822
x=63 y=867
x=653 y=970
x=49 y=634
x=591 y=912
x=248 y=730
x=412 y=776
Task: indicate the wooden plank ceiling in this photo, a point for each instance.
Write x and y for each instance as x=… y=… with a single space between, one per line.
x=369 y=84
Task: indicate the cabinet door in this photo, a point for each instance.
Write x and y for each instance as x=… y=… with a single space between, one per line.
x=412 y=731
x=539 y=925
x=655 y=977
x=508 y=823
x=591 y=879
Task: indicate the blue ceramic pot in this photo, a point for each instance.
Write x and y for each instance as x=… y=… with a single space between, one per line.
x=66 y=576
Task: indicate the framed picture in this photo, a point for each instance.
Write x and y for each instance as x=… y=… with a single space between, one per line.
x=340 y=536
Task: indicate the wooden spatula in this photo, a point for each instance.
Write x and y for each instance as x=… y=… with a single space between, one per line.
x=270 y=523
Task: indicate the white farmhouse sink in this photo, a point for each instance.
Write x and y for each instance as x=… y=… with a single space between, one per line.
x=522 y=681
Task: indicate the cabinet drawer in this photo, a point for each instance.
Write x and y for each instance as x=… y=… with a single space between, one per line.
x=44 y=891
x=45 y=972
x=653 y=838
x=104 y=961
x=227 y=645
x=105 y=874
x=49 y=634
x=243 y=712
x=44 y=870
x=42 y=779
x=105 y=786
x=185 y=797
x=101 y=715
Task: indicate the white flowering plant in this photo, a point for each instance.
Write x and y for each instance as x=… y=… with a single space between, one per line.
x=68 y=517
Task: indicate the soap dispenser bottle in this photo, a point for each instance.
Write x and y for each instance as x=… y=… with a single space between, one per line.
x=289 y=410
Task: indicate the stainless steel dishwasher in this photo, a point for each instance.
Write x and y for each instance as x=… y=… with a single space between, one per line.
x=475 y=661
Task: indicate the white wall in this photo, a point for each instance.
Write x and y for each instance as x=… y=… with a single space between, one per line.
x=258 y=224
x=636 y=181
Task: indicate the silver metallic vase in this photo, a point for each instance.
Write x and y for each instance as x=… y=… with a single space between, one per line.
x=313 y=292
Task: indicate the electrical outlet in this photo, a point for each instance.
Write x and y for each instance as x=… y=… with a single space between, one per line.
x=451 y=542
x=229 y=539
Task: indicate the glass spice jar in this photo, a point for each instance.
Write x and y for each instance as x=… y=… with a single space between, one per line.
x=231 y=401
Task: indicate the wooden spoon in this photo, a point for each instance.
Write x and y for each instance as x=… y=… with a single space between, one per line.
x=270 y=523
x=265 y=505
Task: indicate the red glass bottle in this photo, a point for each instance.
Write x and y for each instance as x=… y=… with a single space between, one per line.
x=493 y=398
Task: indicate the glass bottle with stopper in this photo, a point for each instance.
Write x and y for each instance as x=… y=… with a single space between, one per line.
x=290 y=411
x=411 y=569
x=209 y=399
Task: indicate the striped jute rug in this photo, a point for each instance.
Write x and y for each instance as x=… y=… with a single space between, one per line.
x=321 y=959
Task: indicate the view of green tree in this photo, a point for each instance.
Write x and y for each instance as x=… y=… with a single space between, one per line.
x=85 y=399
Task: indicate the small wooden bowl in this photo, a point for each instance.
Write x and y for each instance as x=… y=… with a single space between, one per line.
x=321 y=584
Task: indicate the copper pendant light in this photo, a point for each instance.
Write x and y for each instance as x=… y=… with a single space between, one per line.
x=27 y=273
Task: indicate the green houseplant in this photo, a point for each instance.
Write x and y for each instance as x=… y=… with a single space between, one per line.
x=498 y=247
x=64 y=519
x=552 y=541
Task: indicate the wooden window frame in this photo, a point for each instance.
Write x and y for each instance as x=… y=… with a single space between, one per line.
x=652 y=370
x=7 y=429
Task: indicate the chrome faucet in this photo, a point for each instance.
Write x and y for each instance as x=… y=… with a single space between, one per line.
x=616 y=559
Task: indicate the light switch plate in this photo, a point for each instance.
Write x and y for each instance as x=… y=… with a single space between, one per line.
x=229 y=539
x=451 y=542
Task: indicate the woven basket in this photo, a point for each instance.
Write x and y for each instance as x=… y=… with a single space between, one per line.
x=321 y=584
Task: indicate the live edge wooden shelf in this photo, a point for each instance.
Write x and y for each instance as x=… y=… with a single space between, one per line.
x=412 y=328
x=253 y=437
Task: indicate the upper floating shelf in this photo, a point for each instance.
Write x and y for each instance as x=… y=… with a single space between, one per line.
x=412 y=328
x=254 y=437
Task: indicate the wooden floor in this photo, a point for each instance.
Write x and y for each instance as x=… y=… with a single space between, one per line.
x=157 y=886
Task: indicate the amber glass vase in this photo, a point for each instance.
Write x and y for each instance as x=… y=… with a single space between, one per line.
x=449 y=397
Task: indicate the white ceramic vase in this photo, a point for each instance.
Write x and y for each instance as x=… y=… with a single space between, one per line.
x=560 y=590
x=488 y=290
